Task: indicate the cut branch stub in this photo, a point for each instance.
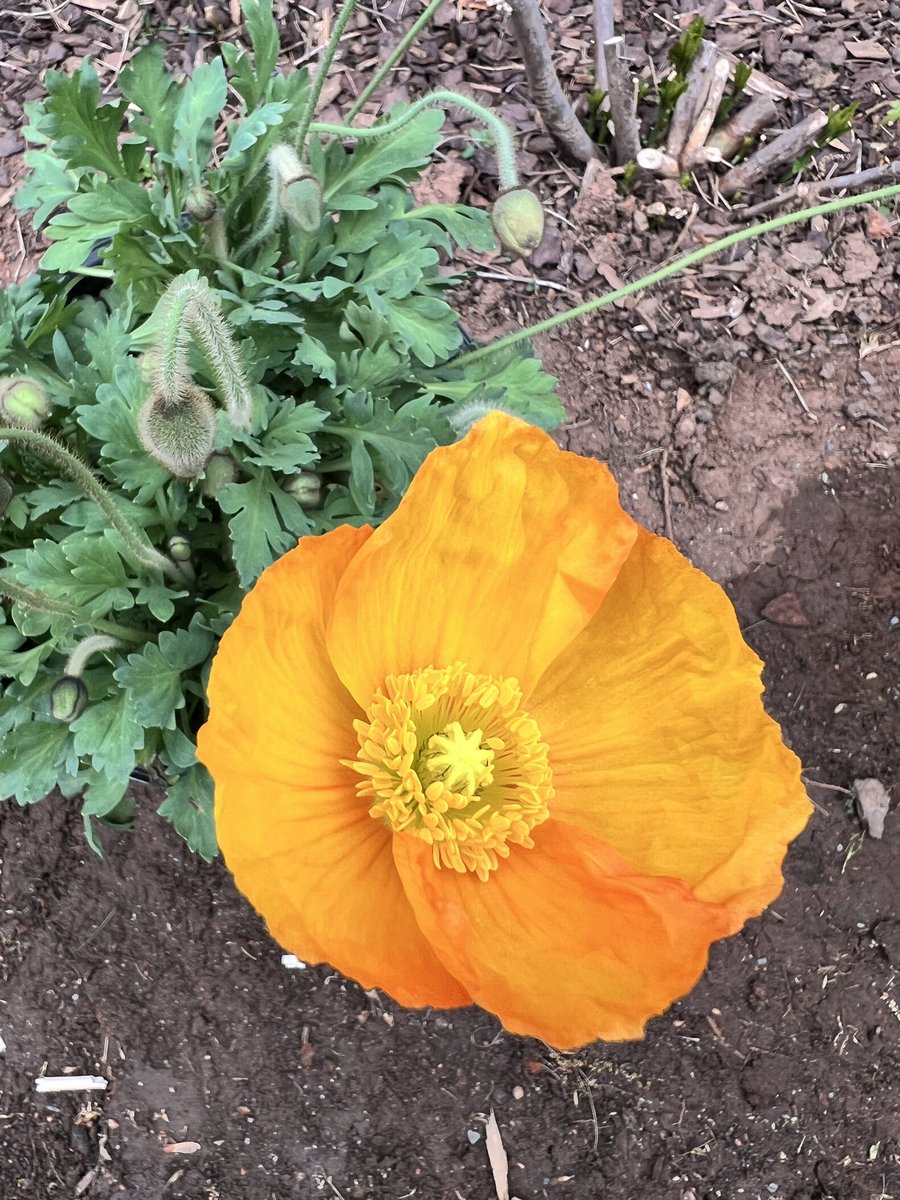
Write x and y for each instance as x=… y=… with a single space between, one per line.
x=758 y=115
x=621 y=96
x=780 y=152
x=689 y=103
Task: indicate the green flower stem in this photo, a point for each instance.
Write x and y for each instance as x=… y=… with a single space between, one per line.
x=86 y=649
x=315 y=90
x=394 y=57
x=497 y=129
x=673 y=268
x=29 y=598
x=142 y=553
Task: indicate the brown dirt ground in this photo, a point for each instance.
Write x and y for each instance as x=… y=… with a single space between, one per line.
x=779 y=1076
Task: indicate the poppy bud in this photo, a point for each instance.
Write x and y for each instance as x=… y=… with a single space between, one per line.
x=518 y=221
x=302 y=203
x=23 y=402
x=179 y=548
x=220 y=471
x=201 y=204
x=179 y=434
x=305 y=487
x=68 y=699
x=5 y=494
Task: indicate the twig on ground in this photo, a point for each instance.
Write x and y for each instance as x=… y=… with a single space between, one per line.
x=691 y=100
x=666 y=494
x=543 y=82
x=786 y=373
x=604 y=30
x=836 y=183
x=759 y=84
x=758 y=115
x=780 y=152
x=621 y=97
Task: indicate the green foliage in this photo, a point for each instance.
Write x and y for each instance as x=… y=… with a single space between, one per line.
x=742 y=73
x=340 y=341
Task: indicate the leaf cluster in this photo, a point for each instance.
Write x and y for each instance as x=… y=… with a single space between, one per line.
x=347 y=337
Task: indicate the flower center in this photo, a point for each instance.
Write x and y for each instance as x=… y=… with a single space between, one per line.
x=450 y=758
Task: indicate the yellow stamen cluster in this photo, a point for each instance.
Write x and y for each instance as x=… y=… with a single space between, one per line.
x=449 y=757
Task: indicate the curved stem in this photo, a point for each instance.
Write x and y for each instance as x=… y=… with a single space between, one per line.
x=29 y=598
x=189 y=307
x=673 y=268
x=315 y=90
x=394 y=57
x=86 y=649
x=64 y=460
x=497 y=129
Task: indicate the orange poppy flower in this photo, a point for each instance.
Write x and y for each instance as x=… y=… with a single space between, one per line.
x=508 y=749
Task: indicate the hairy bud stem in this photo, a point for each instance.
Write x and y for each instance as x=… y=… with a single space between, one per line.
x=499 y=132
x=189 y=309
x=52 y=452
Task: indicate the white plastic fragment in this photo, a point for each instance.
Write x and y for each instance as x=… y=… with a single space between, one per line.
x=872 y=804
x=71 y=1083
x=2 y=1046
x=292 y=962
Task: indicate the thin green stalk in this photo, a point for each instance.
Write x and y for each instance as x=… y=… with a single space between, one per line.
x=315 y=89
x=64 y=460
x=673 y=268
x=396 y=54
x=497 y=129
x=58 y=608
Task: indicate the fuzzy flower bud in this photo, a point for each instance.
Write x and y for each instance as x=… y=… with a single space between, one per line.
x=201 y=204
x=305 y=487
x=179 y=434
x=303 y=204
x=179 y=548
x=220 y=471
x=518 y=221
x=23 y=402
x=68 y=699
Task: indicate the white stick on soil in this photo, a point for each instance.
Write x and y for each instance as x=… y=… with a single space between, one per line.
x=70 y=1083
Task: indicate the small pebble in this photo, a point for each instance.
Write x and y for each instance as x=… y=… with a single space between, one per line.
x=518 y=1092
x=474 y=1136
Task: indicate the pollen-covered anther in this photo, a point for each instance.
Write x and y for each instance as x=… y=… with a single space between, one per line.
x=449 y=757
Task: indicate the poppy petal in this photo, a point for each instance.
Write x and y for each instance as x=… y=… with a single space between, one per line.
x=293 y=830
x=563 y=942
x=659 y=742
x=499 y=554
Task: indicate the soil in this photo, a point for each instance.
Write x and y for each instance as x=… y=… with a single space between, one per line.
x=750 y=410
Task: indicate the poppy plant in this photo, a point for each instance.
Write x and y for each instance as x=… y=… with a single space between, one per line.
x=506 y=749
